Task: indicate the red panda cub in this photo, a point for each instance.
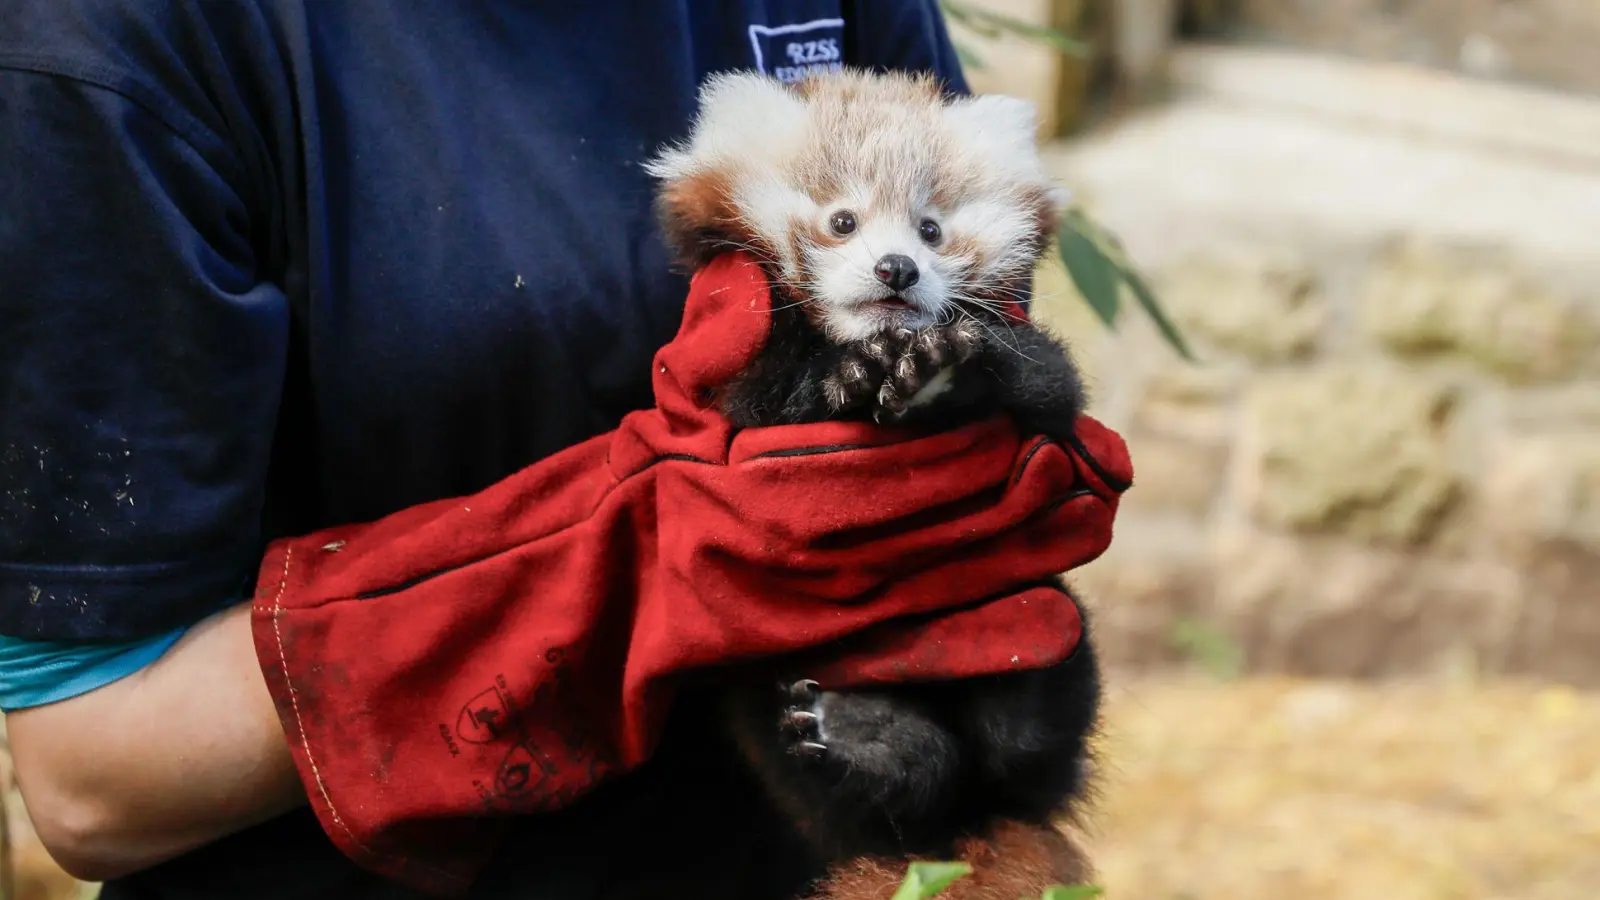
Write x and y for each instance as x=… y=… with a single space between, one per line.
x=897 y=223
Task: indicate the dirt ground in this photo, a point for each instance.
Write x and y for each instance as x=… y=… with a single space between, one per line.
x=1267 y=789
x=1270 y=789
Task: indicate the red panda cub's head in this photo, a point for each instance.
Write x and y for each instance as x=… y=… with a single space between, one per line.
x=875 y=200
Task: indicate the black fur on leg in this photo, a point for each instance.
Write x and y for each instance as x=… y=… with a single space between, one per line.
x=1030 y=733
x=859 y=771
x=914 y=769
x=1035 y=380
x=911 y=769
x=784 y=386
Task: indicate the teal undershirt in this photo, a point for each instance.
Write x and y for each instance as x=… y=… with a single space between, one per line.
x=33 y=673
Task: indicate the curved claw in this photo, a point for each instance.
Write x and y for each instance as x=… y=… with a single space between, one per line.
x=805 y=691
x=801 y=722
x=810 y=749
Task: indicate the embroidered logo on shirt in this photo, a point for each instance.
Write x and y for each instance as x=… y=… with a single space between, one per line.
x=788 y=52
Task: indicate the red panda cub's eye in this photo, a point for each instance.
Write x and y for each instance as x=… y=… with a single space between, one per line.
x=930 y=231
x=843 y=222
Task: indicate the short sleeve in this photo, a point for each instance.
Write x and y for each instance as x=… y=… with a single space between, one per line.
x=906 y=35
x=142 y=355
x=36 y=673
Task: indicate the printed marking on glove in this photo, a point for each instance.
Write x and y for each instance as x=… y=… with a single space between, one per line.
x=485 y=797
x=553 y=759
x=483 y=719
x=522 y=772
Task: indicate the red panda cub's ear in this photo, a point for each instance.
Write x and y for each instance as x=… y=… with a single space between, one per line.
x=998 y=136
x=698 y=219
x=1000 y=133
x=1053 y=206
x=745 y=121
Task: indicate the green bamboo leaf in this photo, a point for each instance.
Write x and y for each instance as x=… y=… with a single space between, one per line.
x=992 y=25
x=1092 y=272
x=928 y=879
x=1147 y=299
x=1042 y=33
x=1072 y=892
x=960 y=12
x=1110 y=247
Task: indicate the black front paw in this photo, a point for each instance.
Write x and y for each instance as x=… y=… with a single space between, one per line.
x=884 y=373
x=801 y=722
x=872 y=752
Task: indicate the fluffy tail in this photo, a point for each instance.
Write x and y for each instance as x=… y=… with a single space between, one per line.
x=1014 y=860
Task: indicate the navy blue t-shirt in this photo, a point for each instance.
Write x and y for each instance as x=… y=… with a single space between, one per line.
x=267 y=267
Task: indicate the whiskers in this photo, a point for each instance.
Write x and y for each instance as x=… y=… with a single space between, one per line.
x=989 y=296
x=806 y=299
x=805 y=287
x=759 y=252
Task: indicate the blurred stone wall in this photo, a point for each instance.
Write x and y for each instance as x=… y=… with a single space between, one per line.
x=1387 y=463
x=1541 y=42
x=1388 y=459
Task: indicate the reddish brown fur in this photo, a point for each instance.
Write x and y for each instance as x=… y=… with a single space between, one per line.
x=823 y=184
x=699 y=207
x=879 y=146
x=963 y=246
x=857 y=109
x=811 y=233
x=1045 y=216
x=1014 y=861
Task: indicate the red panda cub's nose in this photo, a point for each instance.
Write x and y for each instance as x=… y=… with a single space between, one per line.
x=897 y=271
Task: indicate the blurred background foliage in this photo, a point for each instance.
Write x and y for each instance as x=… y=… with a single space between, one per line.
x=1351 y=616
x=1092 y=256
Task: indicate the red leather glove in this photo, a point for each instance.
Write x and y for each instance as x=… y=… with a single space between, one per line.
x=497 y=654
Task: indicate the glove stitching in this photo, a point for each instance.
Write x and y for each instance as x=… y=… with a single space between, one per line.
x=1022 y=468
x=305 y=741
x=812 y=451
x=1118 y=485
x=655 y=460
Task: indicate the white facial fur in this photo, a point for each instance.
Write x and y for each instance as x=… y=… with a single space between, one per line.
x=889 y=151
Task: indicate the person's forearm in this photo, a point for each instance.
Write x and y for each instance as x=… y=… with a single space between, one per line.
x=148 y=767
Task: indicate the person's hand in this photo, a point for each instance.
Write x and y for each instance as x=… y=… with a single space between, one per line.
x=503 y=652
